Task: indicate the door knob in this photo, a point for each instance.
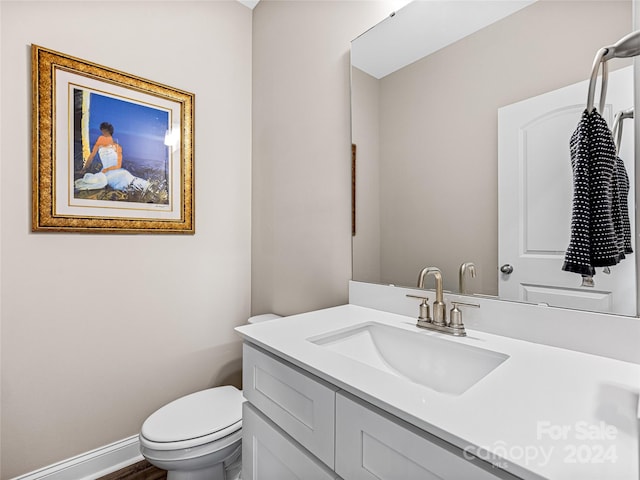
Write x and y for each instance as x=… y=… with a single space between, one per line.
x=506 y=269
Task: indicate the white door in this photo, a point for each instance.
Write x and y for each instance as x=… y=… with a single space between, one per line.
x=535 y=191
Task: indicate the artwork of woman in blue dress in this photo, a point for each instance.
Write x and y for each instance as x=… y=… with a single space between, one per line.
x=130 y=166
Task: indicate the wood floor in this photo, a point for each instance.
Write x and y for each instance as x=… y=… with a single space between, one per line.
x=138 y=471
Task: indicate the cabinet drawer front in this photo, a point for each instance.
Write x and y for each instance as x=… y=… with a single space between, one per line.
x=301 y=405
x=373 y=446
x=268 y=454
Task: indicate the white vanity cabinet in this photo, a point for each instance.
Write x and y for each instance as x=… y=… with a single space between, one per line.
x=301 y=405
x=297 y=426
x=373 y=445
x=270 y=454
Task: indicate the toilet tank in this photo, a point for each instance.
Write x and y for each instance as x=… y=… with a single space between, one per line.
x=263 y=318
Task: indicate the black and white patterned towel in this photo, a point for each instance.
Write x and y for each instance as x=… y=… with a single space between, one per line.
x=600 y=228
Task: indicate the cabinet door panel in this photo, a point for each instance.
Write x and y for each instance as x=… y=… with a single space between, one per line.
x=302 y=405
x=269 y=454
x=371 y=445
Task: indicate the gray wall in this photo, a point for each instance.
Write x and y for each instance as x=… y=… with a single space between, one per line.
x=301 y=238
x=98 y=331
x=365 y=132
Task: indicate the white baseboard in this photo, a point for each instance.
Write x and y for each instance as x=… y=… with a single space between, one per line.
x=93 y=464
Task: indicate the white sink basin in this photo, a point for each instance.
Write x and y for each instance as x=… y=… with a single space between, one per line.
x=437 y=363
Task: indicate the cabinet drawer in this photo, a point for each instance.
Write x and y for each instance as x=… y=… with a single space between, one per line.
x=371 y=445
x=302 y=405
x=268 y=453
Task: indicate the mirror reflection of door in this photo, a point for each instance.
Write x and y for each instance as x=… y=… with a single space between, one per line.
x=535 y=200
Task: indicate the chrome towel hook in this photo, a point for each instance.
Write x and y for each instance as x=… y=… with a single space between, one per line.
x=618 y=120
x=627 y=46
x=597 y=62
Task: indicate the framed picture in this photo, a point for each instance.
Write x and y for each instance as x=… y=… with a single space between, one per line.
x=112 y=152
x=353 y=189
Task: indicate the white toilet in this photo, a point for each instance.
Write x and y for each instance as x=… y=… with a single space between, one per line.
x=199 y=436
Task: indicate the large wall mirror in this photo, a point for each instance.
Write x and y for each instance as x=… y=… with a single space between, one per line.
x=462 y=112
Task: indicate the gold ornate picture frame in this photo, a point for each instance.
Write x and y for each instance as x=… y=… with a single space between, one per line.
x=112 y=152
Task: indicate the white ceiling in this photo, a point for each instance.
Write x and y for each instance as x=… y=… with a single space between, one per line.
x=423 y=27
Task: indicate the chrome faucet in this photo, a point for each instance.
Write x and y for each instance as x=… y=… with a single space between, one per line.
x=465 y=268
x=439 y=320
x=439 y=308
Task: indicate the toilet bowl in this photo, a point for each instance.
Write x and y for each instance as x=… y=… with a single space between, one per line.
x=199 y=436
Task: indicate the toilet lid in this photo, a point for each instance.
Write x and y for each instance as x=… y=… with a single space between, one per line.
x=197 y=415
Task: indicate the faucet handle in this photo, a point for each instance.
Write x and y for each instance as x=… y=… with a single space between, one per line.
x=417 y=296
x=425 y=314
x=455 y=316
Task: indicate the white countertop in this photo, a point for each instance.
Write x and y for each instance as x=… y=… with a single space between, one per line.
x=543 y=413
